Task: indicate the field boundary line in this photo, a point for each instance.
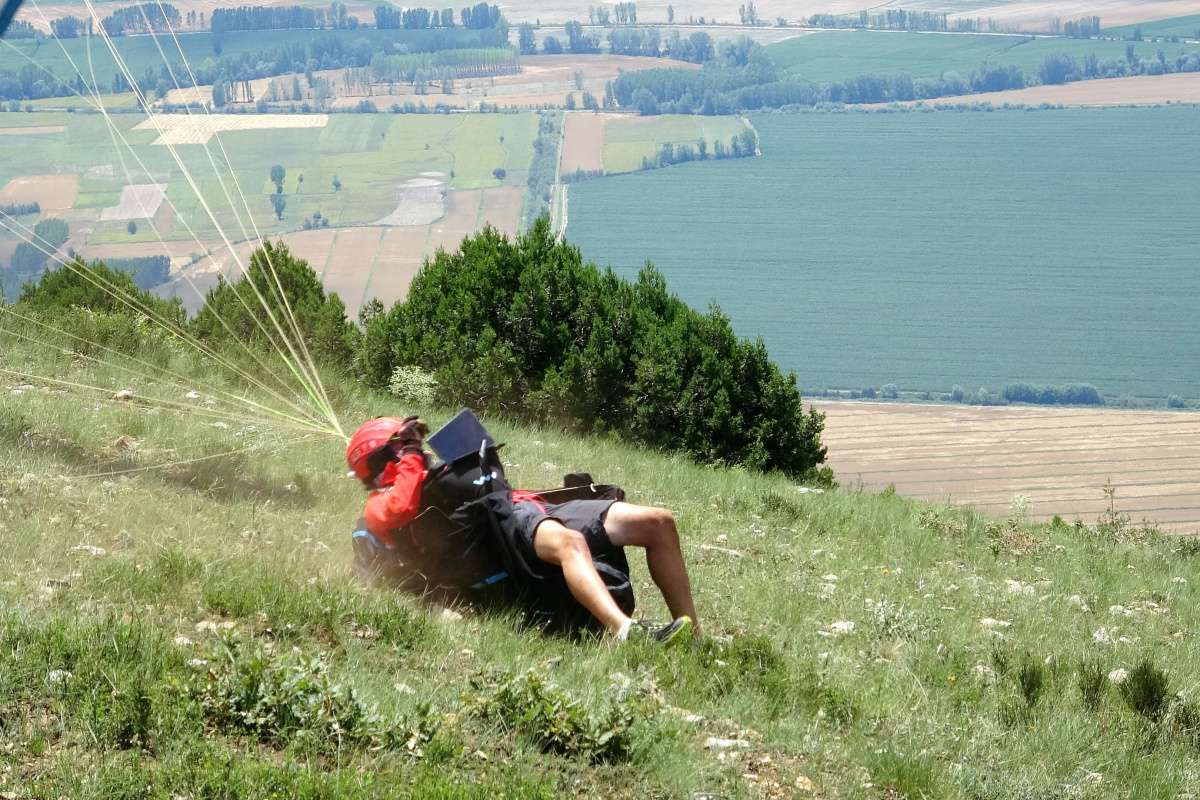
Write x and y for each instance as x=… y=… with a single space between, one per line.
x=374 y=265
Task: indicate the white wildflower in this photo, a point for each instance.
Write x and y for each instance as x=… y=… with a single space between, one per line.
x=1078 y=602
x=57 y=676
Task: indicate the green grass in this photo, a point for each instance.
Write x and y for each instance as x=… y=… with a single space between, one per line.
x=839 y=55
x=927 y=250
x=101 y=695
x=372 y=154
x=1183 y=27
x=628 y=141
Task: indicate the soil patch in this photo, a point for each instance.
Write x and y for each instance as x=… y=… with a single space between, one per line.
x=51 y=192
x=139 y=201
x=583 y=148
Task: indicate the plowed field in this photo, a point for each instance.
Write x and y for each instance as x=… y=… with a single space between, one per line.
x=1061 y=459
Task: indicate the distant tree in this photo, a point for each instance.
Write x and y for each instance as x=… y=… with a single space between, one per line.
x=525 y=39
x=1175 y=401
x=589 y=102
x=279 y=203
x=570 y=103
x=337 y=183
x=1057 y=68
x=277 y=175
x=578 y=79
x=551 y=46
x=218 y=95
x=131 y=227
x=670 y=14
x=500 y=173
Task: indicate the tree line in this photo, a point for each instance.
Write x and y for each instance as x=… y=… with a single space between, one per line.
x=523 y=328
x=143 y=18
x=740 y=77
x=29 y=259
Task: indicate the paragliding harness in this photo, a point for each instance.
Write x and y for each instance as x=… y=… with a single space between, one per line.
x=465 y=545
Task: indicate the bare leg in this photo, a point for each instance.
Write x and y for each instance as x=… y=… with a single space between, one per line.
x=557 y=544
x=654 y=529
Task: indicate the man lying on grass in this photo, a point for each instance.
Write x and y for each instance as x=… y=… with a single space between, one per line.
x=480 y=532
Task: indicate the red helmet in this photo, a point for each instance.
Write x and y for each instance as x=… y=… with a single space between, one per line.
x=369 y=438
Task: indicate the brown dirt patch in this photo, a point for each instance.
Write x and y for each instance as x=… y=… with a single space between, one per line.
x=51 y=192
x=400 y=256
x=350 y=264
x=502 y=208
x=33 y=130
x=583 y=148
x=1060 y=459
x=1143 y=90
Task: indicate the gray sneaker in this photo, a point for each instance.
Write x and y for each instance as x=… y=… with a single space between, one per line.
x=673 y=632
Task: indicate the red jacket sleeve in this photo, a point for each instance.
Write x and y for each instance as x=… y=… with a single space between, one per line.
x=392 y=508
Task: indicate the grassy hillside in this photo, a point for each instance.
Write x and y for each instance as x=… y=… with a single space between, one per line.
x=1185 y=27
x=192 y=630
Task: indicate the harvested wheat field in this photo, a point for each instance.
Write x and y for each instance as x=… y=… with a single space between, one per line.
x=138 y=201
x=1061 y=459
x=1038 y=15
x=51 y=192
x=187 y=129
x=1142 y=90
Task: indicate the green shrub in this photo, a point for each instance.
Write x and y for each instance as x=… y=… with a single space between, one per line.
x=527 y=328
x=292 y=699
x=100 y=289
x=413 y=386
x=554 y=720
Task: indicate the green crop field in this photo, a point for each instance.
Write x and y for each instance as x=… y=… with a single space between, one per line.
x=933 y=249
x=371 y=154
x=1185 y=27
x=628 y=141
x=839 y=55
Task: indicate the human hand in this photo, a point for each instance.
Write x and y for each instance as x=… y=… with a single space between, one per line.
x=411 y=435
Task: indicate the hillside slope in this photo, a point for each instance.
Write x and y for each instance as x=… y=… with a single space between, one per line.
x=192 y=631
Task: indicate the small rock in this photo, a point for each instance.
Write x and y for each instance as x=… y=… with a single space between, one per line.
x=1179 y=579
x=126 y=443
x=809 y=490
x=193 y=395
x=1017 y=587
x=1078 y=602
x=723 y=538
x=983 y=672
x=1120 y=611
x=842 y=627
x=182 y=641
x=1102 y=637
x=219 y=425
x=124 y=394
x=717 y=743
x=989 y=622
x=90 y=549
x=827 y=590
x=57 y=676
x=1119 y=675
x=198 y=663
x=694 y=719
x=725 y=550
x=450 y=615
x=805 y=784
x=404 y=688
x=830 y=578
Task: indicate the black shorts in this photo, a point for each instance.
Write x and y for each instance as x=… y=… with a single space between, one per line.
x=585 y=516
